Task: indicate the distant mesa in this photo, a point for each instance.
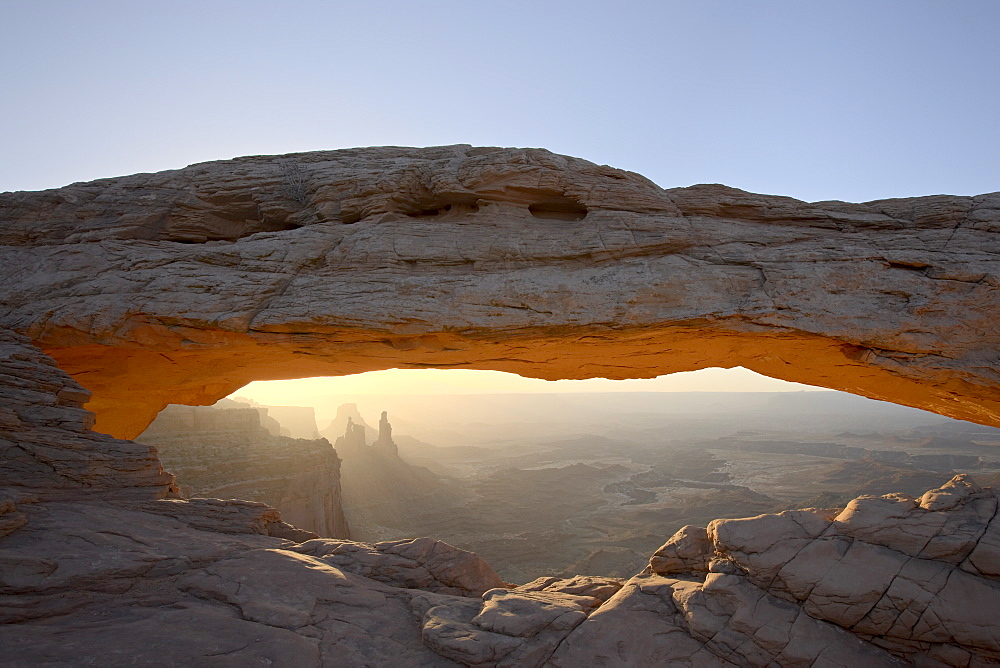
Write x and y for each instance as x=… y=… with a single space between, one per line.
x=295 y=421
x=347 y=413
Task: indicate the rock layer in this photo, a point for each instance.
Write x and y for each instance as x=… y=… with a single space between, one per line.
x=181 y=286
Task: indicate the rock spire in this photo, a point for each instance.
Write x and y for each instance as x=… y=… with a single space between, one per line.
x=384 y=443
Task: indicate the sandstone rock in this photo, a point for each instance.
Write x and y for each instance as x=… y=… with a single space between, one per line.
x=184 y=285
x=956 y=492
x=722 y=621
x=420 y=563
x=338 y=426
x=189 y=633
x=384 y=443
x=10 y=519
x=180 y=287
x=598 y=588
x=888 y=568
x=887 y=581
x=688 y=551
x=226 y=516
x=509 y=628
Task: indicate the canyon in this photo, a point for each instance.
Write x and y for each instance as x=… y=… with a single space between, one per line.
x=125 y=295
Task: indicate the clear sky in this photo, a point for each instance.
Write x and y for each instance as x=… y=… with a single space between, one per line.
x=817 y=99
x=820 y=99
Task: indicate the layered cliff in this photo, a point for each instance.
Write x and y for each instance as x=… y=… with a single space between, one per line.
x=227 y=454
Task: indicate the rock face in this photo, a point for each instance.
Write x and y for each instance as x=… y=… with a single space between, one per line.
x=227 y=453
x=99 y=567
x=47 y=450
x=181 y=286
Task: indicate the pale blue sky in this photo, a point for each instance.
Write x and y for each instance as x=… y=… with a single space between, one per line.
x=837 y=99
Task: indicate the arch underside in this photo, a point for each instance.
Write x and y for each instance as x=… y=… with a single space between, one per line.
x=131 y=385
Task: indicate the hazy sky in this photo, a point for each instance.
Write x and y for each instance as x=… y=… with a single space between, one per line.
x=308 y=392
x=842 y=99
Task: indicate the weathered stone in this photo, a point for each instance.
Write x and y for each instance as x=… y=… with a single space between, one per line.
x=181 y=286
x=508 y=628
x=598 y=588
x=420 y=563
x=47 y=450
x=688 y=551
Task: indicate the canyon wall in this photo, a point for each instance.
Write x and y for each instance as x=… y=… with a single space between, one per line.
x=226 y=453
x=181 y=286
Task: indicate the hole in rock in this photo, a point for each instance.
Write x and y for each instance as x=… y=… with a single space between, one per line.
x=564 y=210
x=437 y=210
x=912 y=266
x=554 y=478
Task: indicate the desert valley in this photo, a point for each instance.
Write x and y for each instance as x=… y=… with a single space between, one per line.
x=562 y=484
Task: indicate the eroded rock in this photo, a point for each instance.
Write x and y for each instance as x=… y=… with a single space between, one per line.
x=419 y=563
x=181 y=286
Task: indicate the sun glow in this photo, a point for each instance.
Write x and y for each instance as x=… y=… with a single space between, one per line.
x=310 y=391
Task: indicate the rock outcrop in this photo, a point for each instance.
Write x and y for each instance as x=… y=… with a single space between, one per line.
x=338 y=426
x=885 y=579
x=47 y=450
x=181 y=286
x=227 y=453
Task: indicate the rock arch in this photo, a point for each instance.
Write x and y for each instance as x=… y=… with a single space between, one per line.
x=182 y=286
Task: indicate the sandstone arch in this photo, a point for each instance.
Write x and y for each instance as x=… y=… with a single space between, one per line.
x=182 y=286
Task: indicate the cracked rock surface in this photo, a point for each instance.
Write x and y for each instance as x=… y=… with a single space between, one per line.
x=184 y=285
